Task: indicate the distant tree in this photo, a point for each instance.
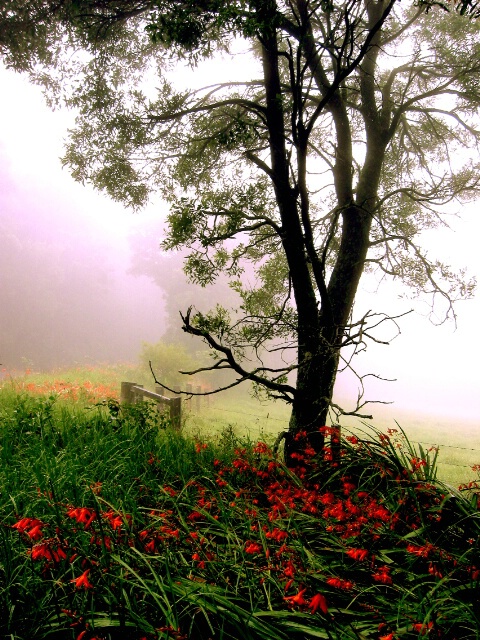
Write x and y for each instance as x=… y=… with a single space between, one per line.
x=166 y=360
x=165 y=269
x=355 y=130
x=61 y=293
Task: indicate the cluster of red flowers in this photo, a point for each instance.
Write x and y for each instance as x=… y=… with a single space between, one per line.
x=31 y=527
x=257 y=491
x=316 y=603
x=84 y=390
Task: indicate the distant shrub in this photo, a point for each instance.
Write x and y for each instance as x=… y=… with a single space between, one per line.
x=167 y=361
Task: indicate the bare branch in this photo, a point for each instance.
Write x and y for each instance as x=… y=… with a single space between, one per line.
x=286 y=391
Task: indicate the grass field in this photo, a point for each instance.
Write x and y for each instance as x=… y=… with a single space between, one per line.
x=459 y=443
x=113 y=526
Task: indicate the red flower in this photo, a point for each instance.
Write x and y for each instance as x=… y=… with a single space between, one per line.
x=116 y=522
x=82 y=514
x=297 y=599
x=23 y=524
x=45 y=550
x=30 y=526
x=382 y=575
x=262 y=448
x=474 y=572
x=422 y=628
x=358 y=554
x=201 y=563
x=340 y=584
x=432 y=570
x=300 y=435
x=36 y=532
x=289 y=570
x=82 y=581
x=318 y=602
x=348 y=486
x=252 y=547
x=421 y=552
x=277 y=534
x=288 y=585
x=150 y=546
x=175 y=533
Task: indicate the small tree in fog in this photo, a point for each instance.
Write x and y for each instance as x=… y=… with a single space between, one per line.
x=356 y=126
x=166 y=360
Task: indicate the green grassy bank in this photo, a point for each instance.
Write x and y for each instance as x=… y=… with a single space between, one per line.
x=114 y=526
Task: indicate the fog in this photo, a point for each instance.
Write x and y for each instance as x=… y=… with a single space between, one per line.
x=82 y=280
x=66 y=297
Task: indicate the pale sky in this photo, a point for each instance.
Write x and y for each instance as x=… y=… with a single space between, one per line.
x=435 y=367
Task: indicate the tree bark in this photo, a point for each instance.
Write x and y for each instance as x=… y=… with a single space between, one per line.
x=318 y=365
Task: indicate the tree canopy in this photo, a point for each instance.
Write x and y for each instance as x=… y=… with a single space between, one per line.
x=352 y=130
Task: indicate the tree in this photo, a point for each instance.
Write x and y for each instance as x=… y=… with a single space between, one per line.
x=330 y=161
x=165 y=269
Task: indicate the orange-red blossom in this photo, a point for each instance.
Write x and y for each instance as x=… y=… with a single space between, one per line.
x=318 y=602
x=83 y=581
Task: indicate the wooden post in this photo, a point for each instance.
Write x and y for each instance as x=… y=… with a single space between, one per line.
x=176 y=413
x=189 y=400
x=160 y=389
x=198 y=398
x=127 y=395
x=138 y=397
x=131 y=392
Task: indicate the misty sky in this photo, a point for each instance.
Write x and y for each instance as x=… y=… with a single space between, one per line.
x=435 y=367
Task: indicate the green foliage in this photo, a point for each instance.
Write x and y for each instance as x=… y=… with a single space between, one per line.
x=216 y=321
x=216 y=130
x=343 y=144
x=167 y=360
x=195 y=26
x=114 y=524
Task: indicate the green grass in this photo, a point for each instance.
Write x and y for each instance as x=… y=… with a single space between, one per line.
x=114 y=526
x=459 y=444
x=240 y=412
x=458 y=441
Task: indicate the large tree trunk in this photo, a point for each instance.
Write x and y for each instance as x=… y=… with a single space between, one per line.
x=316 y=376
x=323 y=311
x=319 y=354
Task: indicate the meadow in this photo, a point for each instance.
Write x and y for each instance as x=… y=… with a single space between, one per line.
x=112 y=525
x=458 y=442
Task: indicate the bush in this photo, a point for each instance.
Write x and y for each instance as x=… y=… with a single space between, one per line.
x=167 y=361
